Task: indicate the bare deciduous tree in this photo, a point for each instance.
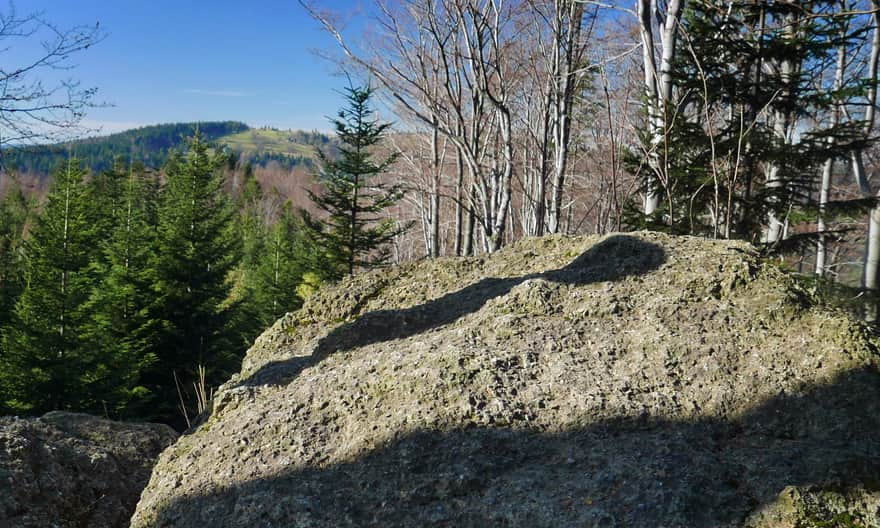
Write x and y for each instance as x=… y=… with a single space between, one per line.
x=658 y=83
x=37 y=103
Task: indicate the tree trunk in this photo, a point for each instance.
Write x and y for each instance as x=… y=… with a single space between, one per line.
x=459 y=206
x=565 y=65
x=872 y=249
x=658 y=87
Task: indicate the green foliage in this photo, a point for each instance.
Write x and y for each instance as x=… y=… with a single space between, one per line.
x=838 y=520
x=152 y=145
x=49 y=361
x=251 y=218
x=724 y=140
x=287 y=256
x=124 y=325
x=311 y=281
x=15 y=211
x=129 y=282
x=196 y=250
x=355 y=233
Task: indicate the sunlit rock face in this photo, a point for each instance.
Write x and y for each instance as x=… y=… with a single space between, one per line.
x=633 y=380
x=74 y=470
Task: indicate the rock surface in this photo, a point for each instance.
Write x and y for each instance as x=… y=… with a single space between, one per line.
x=74 y=470
x=627 y=381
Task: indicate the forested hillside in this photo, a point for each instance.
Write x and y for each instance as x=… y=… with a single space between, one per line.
x=152 y=145
x=132 y=292
x=129 y=292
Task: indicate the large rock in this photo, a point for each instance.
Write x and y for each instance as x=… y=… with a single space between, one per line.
x=633 y=381
x=74 y=470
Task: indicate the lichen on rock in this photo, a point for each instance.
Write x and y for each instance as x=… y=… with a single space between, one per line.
x=633 y=380
x=69 y=470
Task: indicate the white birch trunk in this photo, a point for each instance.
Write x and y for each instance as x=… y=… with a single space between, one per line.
x=828 y=169
x=658 y=87
x=872 y=250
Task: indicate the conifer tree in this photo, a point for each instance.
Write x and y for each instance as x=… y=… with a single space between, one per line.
x=355 y=233
x=252 y=231
x=124 y=325
x=250 y=206
x=197 y=248
x=288 y=254
x=49 y=362
x=106 y=188
x=14 y=214
x=251 y=228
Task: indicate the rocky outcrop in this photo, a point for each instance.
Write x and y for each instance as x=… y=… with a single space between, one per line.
x=633 y=381
x=74 y=470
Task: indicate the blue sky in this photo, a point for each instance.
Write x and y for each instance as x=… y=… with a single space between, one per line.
x=198 y=60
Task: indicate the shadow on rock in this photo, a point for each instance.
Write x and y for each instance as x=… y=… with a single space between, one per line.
x=612 y=259
x=707 y=473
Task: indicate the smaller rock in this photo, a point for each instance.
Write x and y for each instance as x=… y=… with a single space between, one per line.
x=71 y=470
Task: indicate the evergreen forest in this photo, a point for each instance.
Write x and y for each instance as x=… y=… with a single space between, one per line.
x=152 y=145
x=134 y=283
x=129 y=291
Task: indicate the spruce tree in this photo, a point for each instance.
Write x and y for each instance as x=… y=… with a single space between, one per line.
x=287 y=255
x=197 y=248
x=751 y=119
x=15 y=211
x=124 y=325
x=252 y=231
x=355 y=232
x=14 y=214
x=106 y=188
x=249 y=203
x=49 y=362
x=246 y=322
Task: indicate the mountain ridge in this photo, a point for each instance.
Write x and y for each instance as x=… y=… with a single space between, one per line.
x=153 y=144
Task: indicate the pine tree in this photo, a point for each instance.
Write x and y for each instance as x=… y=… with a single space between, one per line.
x=749 y=127
x=49 y=362
x=124 y=325
x=197 y=248
x=14 y=215
x=15 y=210
x=355 y=233
x=287 y=255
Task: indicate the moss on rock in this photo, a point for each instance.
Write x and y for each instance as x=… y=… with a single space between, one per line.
x=633 y=380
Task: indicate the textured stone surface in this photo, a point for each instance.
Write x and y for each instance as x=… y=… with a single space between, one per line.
x=633 y=381
x=74 y=470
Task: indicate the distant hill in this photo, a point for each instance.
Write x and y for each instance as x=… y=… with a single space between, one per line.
x=273 y=141
x=153 y=144
x=288 y=148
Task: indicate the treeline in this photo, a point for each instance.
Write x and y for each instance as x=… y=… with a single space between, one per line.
x=130 y=292
x=740 y=120
x=285 y=161
x=151 y=145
